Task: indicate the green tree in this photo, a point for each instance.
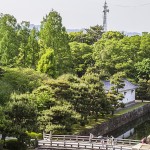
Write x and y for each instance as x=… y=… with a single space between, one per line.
x=29 y=47
x=113 y=95
x=79 y=37
x=98 y=103
x=74 y=90
x=117 y=80
x=143 y=69
x=33 y=48
x=22 y=80
x=47 y=63
x=148 y=89
x=54 y=35
x=143 y=90
x=115 y=53
x=23 y=35
x=81 y=100
x=107 y=52
x=22 y=115
x=58 y=119
x=81 y=56
x=43 y=96
x=88 y=36
x=5 y=91
x=8 y=39
x=94 y=33
x=113 y=35
x=128 y=56
x=105 y=55
x=5 y=124
x=144 y=47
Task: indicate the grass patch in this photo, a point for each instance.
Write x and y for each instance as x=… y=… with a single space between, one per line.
x=92 y=122
x=129 y=109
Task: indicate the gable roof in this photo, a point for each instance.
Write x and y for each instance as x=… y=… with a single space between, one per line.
x=127 y=85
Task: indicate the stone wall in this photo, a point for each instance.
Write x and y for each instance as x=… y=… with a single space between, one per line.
x=117 y=122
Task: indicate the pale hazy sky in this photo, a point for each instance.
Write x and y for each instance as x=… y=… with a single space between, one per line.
x=125 y=15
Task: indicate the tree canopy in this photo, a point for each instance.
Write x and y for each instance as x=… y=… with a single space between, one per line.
x=53 y=35
x=50 y=80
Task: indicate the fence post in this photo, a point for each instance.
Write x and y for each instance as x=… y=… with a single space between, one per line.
x=115 y=141
x=130 y=142
x=64 y=138
x=50 y=135
x=91 y=137
x=113 y=147
x=64 y=144
x=92 y=145
x=43 y=134
x=99 y=147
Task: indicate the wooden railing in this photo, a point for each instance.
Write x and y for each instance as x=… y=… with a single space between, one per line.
x=78 y=145
x=105 y=140
x=72 y=142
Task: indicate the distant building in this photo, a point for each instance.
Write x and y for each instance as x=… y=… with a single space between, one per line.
x=128 y=90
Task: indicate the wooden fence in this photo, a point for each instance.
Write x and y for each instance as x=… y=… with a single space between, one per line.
x=73 y=142
x=105 y=140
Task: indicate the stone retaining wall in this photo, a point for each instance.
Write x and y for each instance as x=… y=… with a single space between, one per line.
x=117 y=122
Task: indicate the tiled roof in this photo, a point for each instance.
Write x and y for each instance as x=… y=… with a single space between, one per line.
x=128 y=86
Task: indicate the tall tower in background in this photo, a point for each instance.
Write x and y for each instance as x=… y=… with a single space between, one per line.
x=105 y=11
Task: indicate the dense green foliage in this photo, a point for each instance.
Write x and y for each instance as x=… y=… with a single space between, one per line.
x=115 y=53
x=70 y=91
x=81 y=57
x=15 y=145
x=54 y=35
x=89 y=36
x=47 y=63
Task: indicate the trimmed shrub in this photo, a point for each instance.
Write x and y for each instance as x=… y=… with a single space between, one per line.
x=15 y=145
x=1 y=144
x=34 y=135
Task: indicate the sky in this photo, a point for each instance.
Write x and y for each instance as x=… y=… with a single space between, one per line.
x=124 y=15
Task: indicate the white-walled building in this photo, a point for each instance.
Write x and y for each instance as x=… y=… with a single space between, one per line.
x=128 y=90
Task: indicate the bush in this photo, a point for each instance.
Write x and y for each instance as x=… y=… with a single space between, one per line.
x=1 y=144
x=34 y=135
x=122 y=105
x=22 y=79
x=15 y=145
